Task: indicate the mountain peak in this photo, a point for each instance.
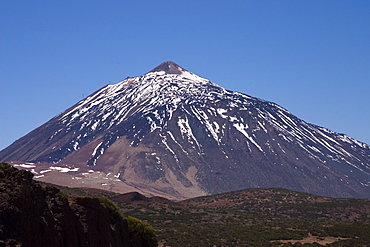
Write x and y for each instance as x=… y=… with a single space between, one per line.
x=173 y=133
x=169 y=67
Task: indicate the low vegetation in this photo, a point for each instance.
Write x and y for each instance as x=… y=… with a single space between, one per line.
x=4 y=166
x=113 y=209
x=252 y=217
x=136 y=227
x=261 y=217
x=143 y=229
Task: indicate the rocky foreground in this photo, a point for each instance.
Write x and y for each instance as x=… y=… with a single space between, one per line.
x=32 y=214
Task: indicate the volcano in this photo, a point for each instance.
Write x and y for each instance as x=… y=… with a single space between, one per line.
x=175 y=134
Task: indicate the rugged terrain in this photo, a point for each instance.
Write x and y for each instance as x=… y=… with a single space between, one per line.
x=172 y=133
x=251 y=217
x=38 y=214
x=254 y=217
x=32 y=214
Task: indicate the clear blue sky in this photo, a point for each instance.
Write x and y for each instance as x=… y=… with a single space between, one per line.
x=311 y=57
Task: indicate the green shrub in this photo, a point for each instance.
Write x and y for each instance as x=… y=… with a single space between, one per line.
x=142 y=229
x=114 y=210
x=63 y=194
x=5 y=166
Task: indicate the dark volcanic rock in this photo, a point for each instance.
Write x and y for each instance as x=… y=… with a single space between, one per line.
x=35 y=215
x=130 y=197
x=169 y=67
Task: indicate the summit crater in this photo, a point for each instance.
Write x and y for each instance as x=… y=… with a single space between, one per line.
x=169 y=67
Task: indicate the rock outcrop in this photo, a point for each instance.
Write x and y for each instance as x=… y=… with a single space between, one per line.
x=32 y=214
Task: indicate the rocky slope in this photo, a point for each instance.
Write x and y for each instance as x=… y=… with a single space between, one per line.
x=35 y=215
x=172 y=133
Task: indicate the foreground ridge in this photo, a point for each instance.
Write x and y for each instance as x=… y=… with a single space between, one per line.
x=32 y=214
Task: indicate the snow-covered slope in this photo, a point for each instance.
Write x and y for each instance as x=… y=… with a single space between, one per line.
x=182 y=135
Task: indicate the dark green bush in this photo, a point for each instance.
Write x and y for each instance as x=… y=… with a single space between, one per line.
x=114 y=210
x=63 y=194
x=143 y=229
x=4 y=166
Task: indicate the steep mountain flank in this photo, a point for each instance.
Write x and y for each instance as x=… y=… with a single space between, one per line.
x=36 y=215
x=172 y=133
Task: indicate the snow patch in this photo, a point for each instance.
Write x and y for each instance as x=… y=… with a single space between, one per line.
x=64 y=169
x=28 y=165
x=241 y=128
x=96 y=148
